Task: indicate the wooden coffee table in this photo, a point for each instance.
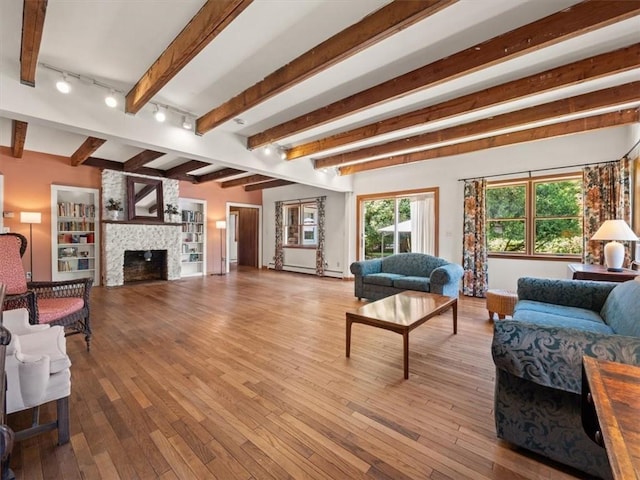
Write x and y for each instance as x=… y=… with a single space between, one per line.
x=401 y=313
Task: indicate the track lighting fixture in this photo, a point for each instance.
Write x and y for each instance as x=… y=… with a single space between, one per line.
x=111 y=100
x=159 y=114
x=187 y=122
x=267 y=150
x=63 y=84
x=283 y=154
x=115 y=95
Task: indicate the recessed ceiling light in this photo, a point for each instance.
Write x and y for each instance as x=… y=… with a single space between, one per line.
x=267 y=149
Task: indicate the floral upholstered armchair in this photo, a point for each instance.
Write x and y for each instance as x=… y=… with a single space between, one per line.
x=64 y=303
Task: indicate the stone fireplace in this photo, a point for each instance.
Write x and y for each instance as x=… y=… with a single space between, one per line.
x=120 y=236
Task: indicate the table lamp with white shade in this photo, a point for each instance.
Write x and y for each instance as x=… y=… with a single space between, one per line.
x=616 y=231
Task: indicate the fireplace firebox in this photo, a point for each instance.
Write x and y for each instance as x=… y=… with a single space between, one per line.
x=144 y=265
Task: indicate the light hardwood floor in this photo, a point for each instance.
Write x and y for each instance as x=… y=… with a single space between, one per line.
x=244 y=376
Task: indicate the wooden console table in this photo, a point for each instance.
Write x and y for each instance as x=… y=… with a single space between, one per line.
x=581 y=271
x=611 y=413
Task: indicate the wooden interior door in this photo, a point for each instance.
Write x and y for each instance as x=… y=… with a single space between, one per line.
x=247 y=231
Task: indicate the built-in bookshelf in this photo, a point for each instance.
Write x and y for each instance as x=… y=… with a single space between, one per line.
x=194 y=237
x=75 y=233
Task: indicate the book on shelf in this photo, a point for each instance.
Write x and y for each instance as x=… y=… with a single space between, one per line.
x=83 y=264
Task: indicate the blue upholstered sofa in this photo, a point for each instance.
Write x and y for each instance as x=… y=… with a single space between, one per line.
x=538 y=358
x=379 y=278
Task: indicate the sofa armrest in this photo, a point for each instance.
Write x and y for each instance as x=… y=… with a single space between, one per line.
x=365 y=267
x=445 y=280
x=552 y=356
x=571 y=293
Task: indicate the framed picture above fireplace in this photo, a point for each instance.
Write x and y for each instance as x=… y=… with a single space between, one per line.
x=144 y=199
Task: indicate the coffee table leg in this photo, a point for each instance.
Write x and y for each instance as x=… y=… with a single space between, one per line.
x=348 y=337
x=455 y=317
x=405 y=340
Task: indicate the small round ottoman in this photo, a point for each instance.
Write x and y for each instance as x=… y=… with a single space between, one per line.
x=501 y=302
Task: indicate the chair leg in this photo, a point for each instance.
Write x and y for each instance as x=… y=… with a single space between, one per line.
x=87 y=338
x=62 y=406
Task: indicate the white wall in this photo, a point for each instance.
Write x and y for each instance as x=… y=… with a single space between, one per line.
x=599 y=146
x=302 y=259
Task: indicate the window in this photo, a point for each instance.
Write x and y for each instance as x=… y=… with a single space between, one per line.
x=300 y=224
x=535 y=217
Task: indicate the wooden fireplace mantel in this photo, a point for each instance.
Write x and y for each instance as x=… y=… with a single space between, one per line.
x=141 y=222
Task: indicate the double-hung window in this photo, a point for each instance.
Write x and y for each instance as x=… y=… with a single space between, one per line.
x=535 y=217
x=300 y=224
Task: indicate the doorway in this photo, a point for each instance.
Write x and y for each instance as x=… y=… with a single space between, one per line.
x=244 y=236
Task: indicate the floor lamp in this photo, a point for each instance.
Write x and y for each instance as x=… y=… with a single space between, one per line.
x=221 y=225
x=30 y=218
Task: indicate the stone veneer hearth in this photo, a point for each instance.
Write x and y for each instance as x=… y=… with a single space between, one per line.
x=120 y=236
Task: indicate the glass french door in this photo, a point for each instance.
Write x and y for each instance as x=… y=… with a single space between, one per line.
x=397 y=223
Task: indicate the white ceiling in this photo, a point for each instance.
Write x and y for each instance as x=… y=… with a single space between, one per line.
x=115 y=42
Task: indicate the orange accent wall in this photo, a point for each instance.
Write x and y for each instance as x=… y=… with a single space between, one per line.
x=27 y=187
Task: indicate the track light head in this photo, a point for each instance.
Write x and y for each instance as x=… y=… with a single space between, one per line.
x=63 y=84
x=187 y=122
x=110 y=100
x=159 y=114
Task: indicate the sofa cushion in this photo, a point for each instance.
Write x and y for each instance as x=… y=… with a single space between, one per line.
x=621 y=311
x=562 y=310
x=420 y=284
x=384 y=279
x=560 y=320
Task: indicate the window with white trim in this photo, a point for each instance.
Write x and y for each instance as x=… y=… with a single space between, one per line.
x=535 y=217
x=300 y=224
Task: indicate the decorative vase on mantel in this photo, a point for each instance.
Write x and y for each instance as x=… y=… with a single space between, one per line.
x=114 y=215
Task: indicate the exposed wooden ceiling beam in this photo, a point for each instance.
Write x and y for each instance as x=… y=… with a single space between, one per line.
x=218 y=174
x=211 y=19
x=90 y=145
x=135 y=163
x=33 y=14
x=610 y=63
x=18 y=137
x=555 y=130
x=186 y=167
x=104 y=164
x=119 y=167
x=263 y=185
x=144 y=191
x=620 y=96
x=569 y=23
x=374 y=28
x=245 y=181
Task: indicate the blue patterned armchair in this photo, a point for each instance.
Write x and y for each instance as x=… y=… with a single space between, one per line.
x=382 y=277
x=538 y=358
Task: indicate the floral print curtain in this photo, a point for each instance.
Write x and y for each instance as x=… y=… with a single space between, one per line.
x=606 y=190
x=474 y=255
x=279 y=258
x=320 y=259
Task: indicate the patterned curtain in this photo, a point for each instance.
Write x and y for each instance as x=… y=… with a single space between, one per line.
x=606 y=197
x=320 y=203
x=474 y=255
x=279 y=260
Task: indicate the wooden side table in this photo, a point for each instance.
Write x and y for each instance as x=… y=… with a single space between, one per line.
x=581 y=271
x=610 y=413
